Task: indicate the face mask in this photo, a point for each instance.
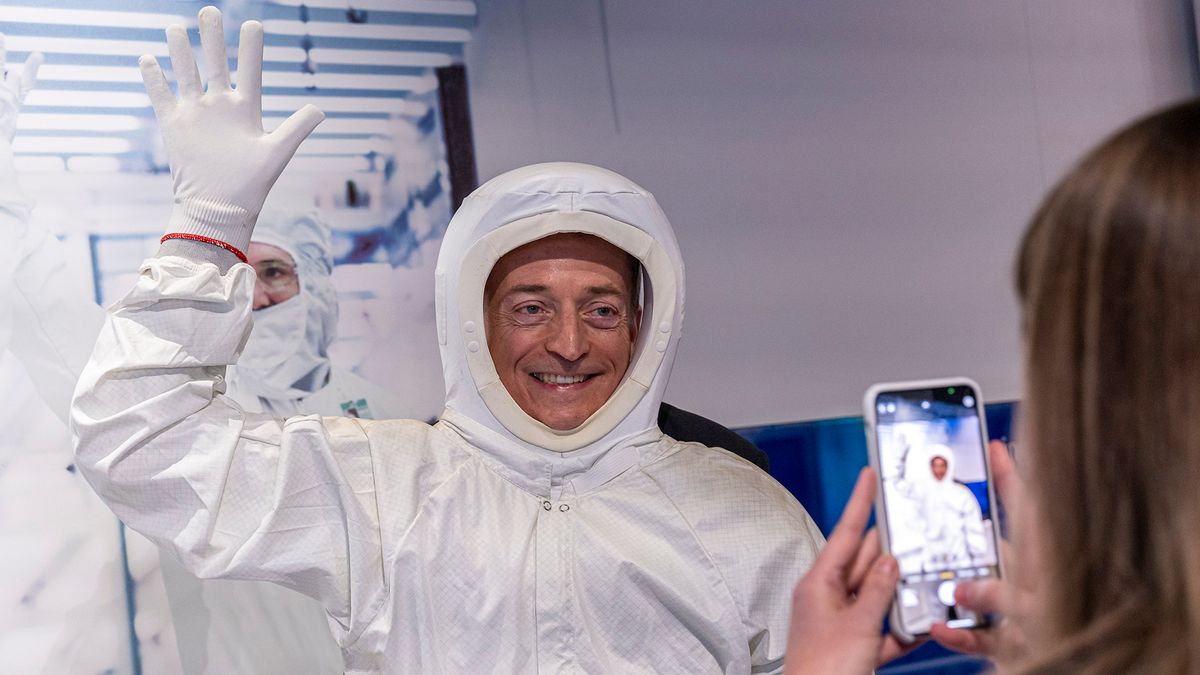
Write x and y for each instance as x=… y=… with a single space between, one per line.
x=277 y=362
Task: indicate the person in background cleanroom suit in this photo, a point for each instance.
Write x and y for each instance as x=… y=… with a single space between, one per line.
x=493 y=539
x=226 y=626
x=285 y=367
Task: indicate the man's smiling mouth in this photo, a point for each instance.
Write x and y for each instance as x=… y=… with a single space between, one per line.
x=551 y=378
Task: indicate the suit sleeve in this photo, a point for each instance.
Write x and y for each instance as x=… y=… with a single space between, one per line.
x=231 y=494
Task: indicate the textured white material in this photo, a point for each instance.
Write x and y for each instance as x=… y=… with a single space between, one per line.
x=448 y=548
x=226 y=626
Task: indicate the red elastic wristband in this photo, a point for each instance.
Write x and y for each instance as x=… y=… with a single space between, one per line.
x=208 y=240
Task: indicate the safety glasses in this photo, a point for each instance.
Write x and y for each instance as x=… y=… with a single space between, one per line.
x=276 y=275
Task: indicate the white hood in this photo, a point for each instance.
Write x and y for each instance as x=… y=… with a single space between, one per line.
x=935 y=451
x=524 y=205
x=287 y=355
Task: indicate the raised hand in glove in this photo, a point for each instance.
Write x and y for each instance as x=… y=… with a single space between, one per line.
x=222 y=162
x=13 y=89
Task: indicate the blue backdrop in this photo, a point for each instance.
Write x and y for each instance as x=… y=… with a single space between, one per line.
x=819 y=462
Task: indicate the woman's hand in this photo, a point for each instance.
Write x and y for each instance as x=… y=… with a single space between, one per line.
x=996 y=597
x=838 y=607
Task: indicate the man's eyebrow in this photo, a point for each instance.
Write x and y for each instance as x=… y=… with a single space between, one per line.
x=526 y=288
x=607 y=289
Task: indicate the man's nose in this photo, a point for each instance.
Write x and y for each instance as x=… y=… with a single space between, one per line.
x=568 y=338
x=261 y=299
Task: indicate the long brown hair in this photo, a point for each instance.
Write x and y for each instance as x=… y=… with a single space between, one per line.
x=1109 y=280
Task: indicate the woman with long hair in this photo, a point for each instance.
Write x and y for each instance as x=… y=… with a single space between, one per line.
x=1105 y=573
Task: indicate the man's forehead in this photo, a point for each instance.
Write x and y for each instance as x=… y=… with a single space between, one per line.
x=566 y=245
x=587 y=249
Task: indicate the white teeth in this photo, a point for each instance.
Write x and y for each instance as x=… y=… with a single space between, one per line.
x=550 y=378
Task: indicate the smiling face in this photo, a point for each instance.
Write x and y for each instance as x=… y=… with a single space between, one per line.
x=561 y=325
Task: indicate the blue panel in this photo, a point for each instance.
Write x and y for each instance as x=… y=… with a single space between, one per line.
x=933 y=659
x=980 y=491
x=819 y=462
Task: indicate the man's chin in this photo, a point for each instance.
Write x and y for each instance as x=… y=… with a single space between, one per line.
x=555 y=418
x=561 y=424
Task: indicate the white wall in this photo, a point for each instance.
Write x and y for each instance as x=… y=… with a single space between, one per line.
x=848 y=180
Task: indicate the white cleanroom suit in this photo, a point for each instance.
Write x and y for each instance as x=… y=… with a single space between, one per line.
x=484 y=542
x=948 y=515
x=437 y=549
x=226 y=626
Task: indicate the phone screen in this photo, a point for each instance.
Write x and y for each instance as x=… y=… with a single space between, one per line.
x=937 y=503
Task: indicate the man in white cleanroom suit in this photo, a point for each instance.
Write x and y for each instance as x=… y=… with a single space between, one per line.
x=949 y=517
x=579 y=538
x=226 y=626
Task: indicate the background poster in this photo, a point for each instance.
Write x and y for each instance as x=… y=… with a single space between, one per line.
x=75 y=595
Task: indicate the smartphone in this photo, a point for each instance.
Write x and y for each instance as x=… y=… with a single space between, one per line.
x=927 y=441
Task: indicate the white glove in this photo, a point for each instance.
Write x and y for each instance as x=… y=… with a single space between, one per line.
x=13 y=89
x=222 y=163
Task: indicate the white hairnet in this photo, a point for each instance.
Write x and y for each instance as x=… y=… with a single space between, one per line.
x=306 y=237
x=938 y=450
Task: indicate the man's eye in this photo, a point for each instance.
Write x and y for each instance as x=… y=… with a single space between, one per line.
x=605 y=316
x=525 y=312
